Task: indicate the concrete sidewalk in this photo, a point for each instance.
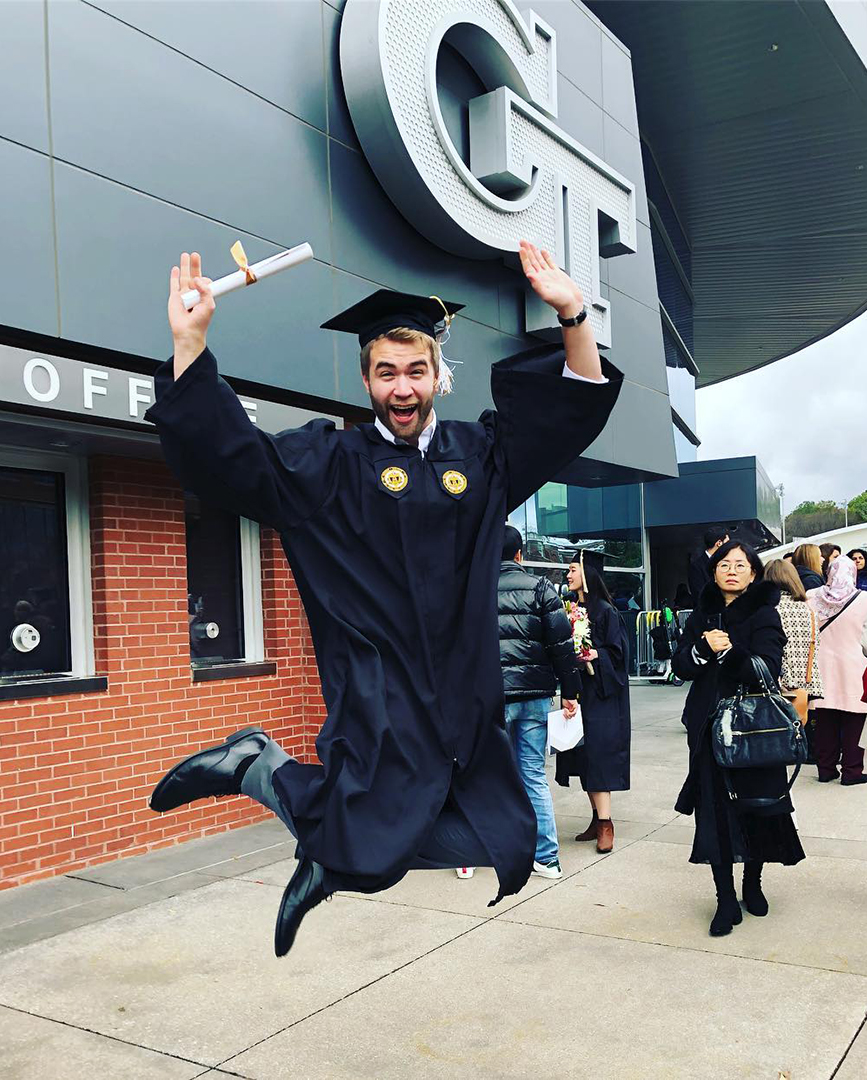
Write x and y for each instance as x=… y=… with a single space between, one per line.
x=162 y=966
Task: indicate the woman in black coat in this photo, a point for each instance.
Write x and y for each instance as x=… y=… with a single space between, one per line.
x=736 y=619
x=602 y=760
x=807 y=560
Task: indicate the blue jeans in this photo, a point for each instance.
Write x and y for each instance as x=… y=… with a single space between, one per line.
x=527 y=723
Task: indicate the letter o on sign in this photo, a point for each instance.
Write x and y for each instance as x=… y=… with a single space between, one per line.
x=47 y=370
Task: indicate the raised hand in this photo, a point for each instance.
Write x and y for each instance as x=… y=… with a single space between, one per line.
x=189 y=328
x=549 y=282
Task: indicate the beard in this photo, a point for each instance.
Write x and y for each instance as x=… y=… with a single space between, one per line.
x=409 y=432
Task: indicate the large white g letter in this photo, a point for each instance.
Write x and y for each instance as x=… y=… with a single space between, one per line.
x=526 y=178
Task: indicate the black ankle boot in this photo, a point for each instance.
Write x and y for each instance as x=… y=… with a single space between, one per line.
x=591 y=830
x=754 y=899
x=728 y=910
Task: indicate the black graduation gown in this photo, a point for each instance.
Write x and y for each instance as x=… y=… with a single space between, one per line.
x=602 y=761
x=723 y=834
x=400 y=591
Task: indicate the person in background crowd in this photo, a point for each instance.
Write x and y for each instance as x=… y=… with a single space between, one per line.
x=682 y=598
x=536 y=653
x=602 y=760
x=789 y=556
x=800 y=675
x=736 y=620
x=840 y=712
x=829 y=552
x=699 y=566
x=859 y=557
x=807 y=560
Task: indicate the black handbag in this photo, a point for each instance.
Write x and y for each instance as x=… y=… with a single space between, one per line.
x=754 y=730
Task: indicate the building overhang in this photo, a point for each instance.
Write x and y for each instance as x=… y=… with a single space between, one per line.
x=757 y=116
x=728 y=491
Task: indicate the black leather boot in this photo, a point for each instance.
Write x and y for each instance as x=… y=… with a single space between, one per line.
x=305 y=890
x=728 y=910
x=754 y=899
x=213 y=772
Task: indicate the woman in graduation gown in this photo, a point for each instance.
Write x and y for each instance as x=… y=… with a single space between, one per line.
x=394 y=532
x=602 y=761
x=736 y=619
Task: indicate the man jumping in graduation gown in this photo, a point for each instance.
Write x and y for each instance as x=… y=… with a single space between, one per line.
x=393 y=531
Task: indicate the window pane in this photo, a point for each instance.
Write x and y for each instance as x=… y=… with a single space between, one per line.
x=34 y=583
x=214 y=599
x=560 y=518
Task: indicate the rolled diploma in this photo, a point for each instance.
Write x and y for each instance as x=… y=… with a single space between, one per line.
x=272 y=265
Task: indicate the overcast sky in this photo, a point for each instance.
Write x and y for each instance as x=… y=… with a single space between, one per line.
x=804 y=418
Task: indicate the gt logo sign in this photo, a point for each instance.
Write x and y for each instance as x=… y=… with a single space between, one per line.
x=525 y=178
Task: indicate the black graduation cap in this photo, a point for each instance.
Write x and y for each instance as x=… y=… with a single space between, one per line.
x=385 y=310
x=589 y=557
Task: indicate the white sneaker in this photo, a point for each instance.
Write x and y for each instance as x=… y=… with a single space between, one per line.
x=548 y=870
x=465 y=871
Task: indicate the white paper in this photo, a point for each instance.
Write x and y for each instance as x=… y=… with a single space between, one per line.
x=563 y=734
x=272 y=265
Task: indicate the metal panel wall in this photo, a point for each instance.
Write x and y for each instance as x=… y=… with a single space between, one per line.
x=132 y=130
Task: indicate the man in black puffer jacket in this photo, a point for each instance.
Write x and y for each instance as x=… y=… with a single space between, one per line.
x=536 y=652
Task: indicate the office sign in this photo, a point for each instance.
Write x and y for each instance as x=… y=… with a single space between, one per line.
x=92 y=392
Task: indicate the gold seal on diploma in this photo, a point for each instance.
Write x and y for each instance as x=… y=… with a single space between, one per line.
x=454 y=482
x=393 y=478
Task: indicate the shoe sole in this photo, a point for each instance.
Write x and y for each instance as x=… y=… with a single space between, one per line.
x=735 y=922
x=170 y=775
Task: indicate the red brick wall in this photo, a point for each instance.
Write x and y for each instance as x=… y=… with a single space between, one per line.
x=76 y=772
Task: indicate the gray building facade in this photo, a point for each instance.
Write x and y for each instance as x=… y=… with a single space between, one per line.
x=132 y=130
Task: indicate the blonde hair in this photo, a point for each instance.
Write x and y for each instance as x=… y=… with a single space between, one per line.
x=782 y=573
x=406 y=336
x=808 y=555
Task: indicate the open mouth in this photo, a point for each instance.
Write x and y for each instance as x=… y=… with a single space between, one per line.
x=403 y=414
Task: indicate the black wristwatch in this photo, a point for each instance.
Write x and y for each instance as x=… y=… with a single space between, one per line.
x=576 y=320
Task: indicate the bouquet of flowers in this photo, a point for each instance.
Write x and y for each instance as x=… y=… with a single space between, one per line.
x=580 y=632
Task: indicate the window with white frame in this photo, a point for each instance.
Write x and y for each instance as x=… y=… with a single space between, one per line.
x=224 y=592
x=46 y=627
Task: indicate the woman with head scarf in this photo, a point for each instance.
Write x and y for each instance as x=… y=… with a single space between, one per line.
x=840 y=712
x=859 y=557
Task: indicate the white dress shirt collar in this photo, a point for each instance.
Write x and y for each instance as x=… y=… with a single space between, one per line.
x=423 y=439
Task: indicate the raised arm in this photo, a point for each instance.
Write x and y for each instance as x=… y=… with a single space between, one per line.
x=552 y=401
x=209 y=441
x=560 y=292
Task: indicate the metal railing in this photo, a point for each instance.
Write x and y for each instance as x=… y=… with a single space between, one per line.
x=646 y=665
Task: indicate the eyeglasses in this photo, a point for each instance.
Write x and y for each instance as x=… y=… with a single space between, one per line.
x=738 y=567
